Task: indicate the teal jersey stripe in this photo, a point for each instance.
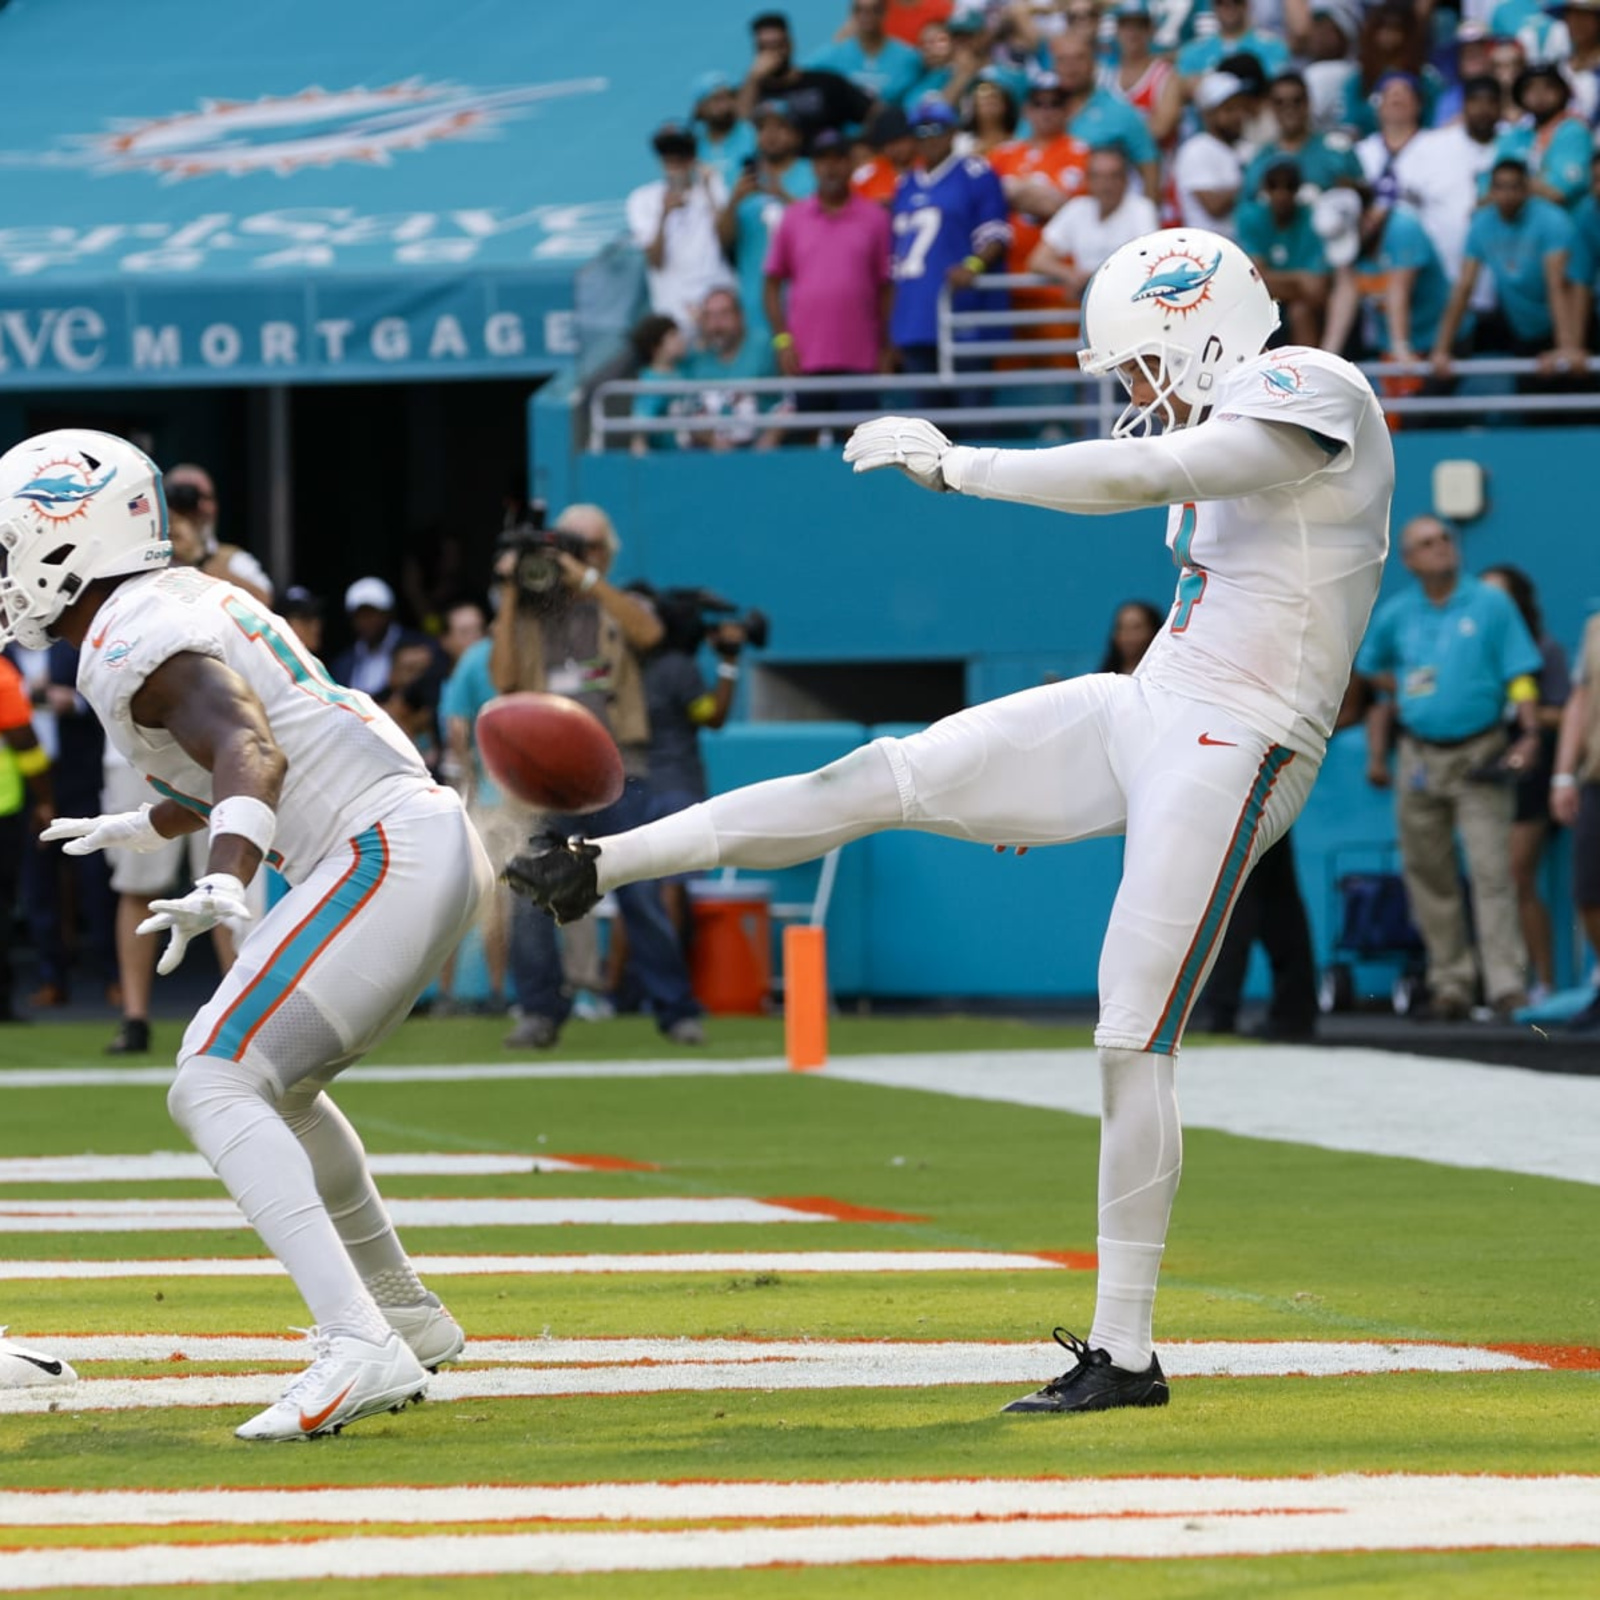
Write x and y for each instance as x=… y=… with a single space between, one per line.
x=289 y=962
x=1165 y=1039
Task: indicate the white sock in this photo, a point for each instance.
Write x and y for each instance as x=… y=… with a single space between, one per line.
x=224 y=1107
x=773 y=824
x=339 y=1167
x=1141 y=1160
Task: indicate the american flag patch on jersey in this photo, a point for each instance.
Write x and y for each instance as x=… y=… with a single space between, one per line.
x=139 y=506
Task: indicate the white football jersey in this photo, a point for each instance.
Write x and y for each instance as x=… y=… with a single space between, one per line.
x=1276 y=587
x=349 y=764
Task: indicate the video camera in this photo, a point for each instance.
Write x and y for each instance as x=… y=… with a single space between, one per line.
x=689 y=615
x=536 y=571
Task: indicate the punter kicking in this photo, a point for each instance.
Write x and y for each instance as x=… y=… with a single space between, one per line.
x=241 y=732
x=1278 y=472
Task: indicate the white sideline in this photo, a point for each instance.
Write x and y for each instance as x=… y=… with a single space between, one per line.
x=736 y=1500
x=1182 y=1520
x=174 y=1166
x=657 y=1366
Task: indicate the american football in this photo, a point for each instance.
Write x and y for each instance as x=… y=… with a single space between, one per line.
x=549 y=752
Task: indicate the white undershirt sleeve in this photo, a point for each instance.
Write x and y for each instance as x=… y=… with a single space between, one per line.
x=1215 y=461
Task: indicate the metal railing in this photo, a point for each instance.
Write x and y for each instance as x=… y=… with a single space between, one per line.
x=1090 y=404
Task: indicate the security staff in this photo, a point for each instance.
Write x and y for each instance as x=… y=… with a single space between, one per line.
x=1449 y=653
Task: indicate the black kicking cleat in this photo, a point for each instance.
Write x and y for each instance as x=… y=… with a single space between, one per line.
x=1095 y=1385
x=556 y=873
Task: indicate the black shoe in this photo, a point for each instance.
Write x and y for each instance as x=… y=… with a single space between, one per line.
x=1095 y=1385
x=133 y=1039
x=556 y=873
x=1587 y=1020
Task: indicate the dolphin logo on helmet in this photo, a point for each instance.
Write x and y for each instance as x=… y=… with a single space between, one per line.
x=1181 y=286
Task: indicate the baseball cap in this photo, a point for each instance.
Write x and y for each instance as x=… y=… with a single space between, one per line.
x=1336 y=220
x=773 y=108
x=673 y=139
x=967 y=19
x=1547 y=70
x=298 y=601
x=1217 y=88
x=887 y=125
x=372 y=592
x=710 y=83
x=826 y=139
x=1477 y=32
x=1345 y=14
x=1045 y=86
x=932 y=116
x=1134 y=10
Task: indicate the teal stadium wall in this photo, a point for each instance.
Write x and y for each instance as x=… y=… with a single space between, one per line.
x=870 y=569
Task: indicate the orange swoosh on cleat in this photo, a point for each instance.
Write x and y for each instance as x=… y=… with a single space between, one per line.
x=311 y=1424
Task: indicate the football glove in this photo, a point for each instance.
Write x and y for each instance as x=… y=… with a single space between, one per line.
x=118 y=830
x=914 y=446
x=216 y=898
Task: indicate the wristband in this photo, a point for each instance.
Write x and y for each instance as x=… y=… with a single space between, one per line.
x=1563 y=780
x=249 y=818
x=1522 y=690
x=728 y=671
x=975 y=264
x=783 y=341
x=591 y=576
x=32 y=761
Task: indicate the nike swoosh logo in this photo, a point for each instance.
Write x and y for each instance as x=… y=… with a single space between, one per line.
x=311 y=1424
x=99 y=639
x=53 y=1368
x=1231 y=744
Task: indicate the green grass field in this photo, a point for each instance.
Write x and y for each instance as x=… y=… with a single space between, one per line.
x=1271 y=1242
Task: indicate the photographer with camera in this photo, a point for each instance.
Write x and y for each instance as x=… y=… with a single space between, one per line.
x=192 y=508
x=562 y=628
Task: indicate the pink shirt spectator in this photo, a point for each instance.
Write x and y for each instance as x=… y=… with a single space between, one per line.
x=836 y=264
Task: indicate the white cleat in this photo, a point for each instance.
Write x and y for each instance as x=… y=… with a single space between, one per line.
x=22 y=1368
x=348 y=1379
x=434 y=1335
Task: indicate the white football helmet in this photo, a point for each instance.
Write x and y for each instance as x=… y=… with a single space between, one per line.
x=75 y=505
x=1182 y=307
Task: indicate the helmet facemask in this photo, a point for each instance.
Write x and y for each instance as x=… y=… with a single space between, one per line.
x=1164 y=367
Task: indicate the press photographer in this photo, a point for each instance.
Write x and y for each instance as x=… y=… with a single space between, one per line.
x=563 y=628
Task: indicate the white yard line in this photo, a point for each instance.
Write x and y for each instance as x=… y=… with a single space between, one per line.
x=657 y=1366
x=1183 y=1520
x=68 y=1215
x=751 y=1500
x=170 y=1166
x=737 y=1262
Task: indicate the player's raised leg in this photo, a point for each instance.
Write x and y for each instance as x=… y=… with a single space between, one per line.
x=1030 y=769
x=1205 y=801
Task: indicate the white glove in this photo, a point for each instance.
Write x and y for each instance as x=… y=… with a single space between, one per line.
x=119 y=830
x=214 y=899
x=914 y=446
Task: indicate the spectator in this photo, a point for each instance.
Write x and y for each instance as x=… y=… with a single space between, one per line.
x=990 y=118
x=1582 y=19
x=1089 y=227
x=1583 y=268
x=302 y=610
x=1276 y=230
x=1393 y=39
x=1133 y=631
x=828 y=282
x=936 y=56
x=1575 y=800
x=369 y=663
x=1140 y=78
x=1473 y=56
x=1386 y=154
x=190 y=491
x=1207 y=172
x=1040 y=173
x=1524 y=242
x=1404 y=284
x=1449 y=653
x=885 y=68
x=1556 y=146
x=24 y=773
x=1234 y=35
x=1530 y=824
x=674 y=222
x=726 y=354
x=722 y=138
x=775 y=180
x=55 y=884
x=889 y=135
x=950 y=227
x=1506 y=62
x=1322 y=159
x=1329 y=66
x=908 y=20
x=817 y=99
x=1449 y=168
x=584 y=639
x=659 y=346
x=1097 y=117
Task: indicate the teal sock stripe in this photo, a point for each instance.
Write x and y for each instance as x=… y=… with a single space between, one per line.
x=1165 y=1039
x=288 y=964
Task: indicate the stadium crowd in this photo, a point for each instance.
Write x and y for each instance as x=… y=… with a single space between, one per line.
x=1417 y=184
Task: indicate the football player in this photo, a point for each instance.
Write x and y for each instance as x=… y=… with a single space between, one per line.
x=240 y=731
x=1278 y=471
